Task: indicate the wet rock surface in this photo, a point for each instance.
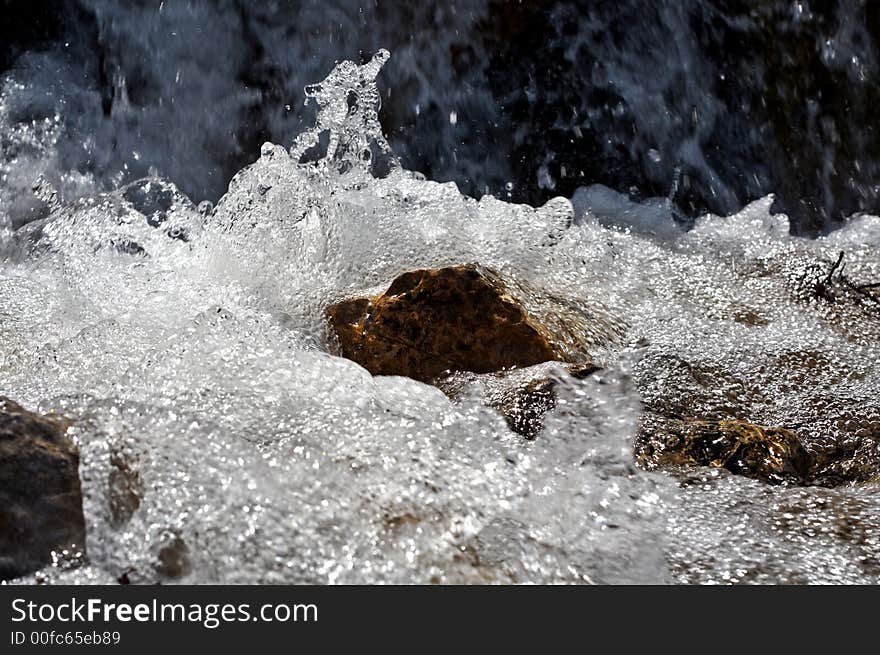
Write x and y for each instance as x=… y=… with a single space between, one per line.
x=767 y=453
x=431 y=321
x=40 y=496
x=726 y=416
x=460 y=329
x=522 y=396
x=124 y=487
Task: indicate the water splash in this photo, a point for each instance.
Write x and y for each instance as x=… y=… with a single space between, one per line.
x=189 y=345
x=348 y=118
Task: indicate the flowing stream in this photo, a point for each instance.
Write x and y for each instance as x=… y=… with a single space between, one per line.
x=189 y=345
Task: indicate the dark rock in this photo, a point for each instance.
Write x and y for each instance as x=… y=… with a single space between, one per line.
x=772 y=454
x=526 y=407
x=173 y=558
x=854 y=458
x=429 y=322
x=522 y=396
x=40 y=496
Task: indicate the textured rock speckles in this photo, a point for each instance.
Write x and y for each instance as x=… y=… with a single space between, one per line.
x=431 y=321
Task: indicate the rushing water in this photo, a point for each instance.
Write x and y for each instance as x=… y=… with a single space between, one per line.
x=188 y=343
x=712 y=103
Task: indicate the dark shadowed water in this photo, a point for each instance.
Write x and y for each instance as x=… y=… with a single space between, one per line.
x=711 y=103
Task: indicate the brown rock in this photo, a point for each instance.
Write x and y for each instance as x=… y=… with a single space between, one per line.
x=40 y=496
x=428 y=322
x=772 y=454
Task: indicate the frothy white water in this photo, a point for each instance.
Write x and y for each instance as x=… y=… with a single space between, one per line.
x=189 y=343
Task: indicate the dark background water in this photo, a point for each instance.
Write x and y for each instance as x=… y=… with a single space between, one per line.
x=712 y=103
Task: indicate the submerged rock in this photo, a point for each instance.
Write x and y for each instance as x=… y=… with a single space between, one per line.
x=815 y=392
x=432 y=321
x=40 y=496
x=772 y=454
x=855 y=458
x=524 y=408
x=173 y=557
x=522 y=396
x=124 y=487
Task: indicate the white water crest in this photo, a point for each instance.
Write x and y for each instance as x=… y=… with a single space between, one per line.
x=190 y=343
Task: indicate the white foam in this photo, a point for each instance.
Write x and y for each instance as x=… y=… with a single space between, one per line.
x=194 y=343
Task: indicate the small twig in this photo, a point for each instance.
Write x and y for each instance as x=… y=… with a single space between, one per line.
x=873 y=285
x=834 y=268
